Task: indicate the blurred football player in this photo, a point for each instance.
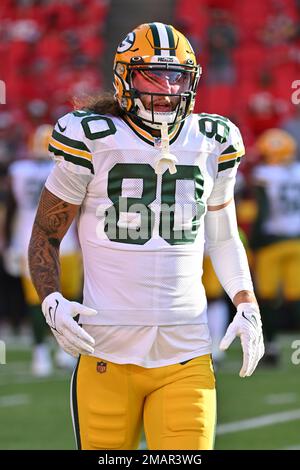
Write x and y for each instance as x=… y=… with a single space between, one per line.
x=141 y=170
x=27 y=178
x=276 y=232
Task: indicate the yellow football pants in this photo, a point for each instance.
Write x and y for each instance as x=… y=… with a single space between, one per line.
x=277 y=266
x=211 y=283
x=176 y=403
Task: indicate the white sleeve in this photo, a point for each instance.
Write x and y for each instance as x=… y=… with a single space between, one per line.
x=226 y=250
x=66 y=185
x=223 y=190
x=69 y=148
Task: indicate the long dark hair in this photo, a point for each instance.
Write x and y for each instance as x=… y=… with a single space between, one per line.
x=104 y=103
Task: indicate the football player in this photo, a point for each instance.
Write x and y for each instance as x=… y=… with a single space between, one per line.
x=276 y=233
x=146 y=177
x=27 y=178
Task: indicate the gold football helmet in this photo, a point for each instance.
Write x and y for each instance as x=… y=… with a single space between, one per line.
x=153 y=63
x=39 y=141
x=276 y=146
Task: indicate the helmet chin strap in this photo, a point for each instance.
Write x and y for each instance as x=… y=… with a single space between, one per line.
x=147 y=116
x=165 y=160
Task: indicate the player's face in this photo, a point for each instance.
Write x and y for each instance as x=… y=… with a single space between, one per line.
x=161 y=81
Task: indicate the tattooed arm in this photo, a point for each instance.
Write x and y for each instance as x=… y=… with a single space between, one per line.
x=54 y=217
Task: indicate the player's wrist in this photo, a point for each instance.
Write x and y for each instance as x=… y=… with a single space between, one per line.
x=244 y=296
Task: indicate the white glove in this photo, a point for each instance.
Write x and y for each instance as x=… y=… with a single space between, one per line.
x=59 y=313
x=247 y=325
x=12 y=261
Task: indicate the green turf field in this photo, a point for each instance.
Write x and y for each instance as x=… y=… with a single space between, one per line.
x=261 y=412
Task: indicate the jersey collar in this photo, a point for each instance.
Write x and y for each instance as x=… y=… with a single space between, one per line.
x=142 y=132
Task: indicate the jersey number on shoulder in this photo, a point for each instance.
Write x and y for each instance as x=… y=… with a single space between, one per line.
x=140 y=207
x=108 y=125
x=213 y=125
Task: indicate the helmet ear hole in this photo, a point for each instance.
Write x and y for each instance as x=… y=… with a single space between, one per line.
x=120 y=69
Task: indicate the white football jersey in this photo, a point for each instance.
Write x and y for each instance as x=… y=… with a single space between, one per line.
x=142 y=234
x=27 y=181
x=281 y=184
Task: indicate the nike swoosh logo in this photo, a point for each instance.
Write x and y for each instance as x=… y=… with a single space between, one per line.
x=54 y=316
x=184 y=362
x=253 y=318
x=62 y=129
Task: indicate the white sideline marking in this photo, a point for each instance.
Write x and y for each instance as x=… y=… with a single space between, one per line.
x=294 y=447
x=260 y=421
x=14 y=400
x=280 y=398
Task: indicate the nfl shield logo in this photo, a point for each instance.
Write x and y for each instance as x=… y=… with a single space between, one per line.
x=157 y=142
x=101 y=367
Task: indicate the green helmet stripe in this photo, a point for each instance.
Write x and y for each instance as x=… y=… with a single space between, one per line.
x=171 y=40
x=156 y=39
